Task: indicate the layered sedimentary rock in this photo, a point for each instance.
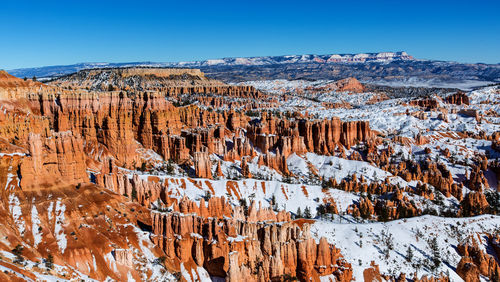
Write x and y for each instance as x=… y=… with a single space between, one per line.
x=58 y=159
x=50 y=208
x=134 y=79
x=243 y=247
x=12 y=87
x=301 y=136
x=473 y=204
x=428 y=103
x=350 y=84
x=458 y=98
x=476 y=262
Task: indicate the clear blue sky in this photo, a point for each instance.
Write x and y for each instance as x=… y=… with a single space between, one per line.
x=38 y=33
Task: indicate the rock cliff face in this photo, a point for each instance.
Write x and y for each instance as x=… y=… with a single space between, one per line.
x=458 y=98
x=12 y=87
x=321 y=137
x=476 y=262
x=123 y=123
x=52 y=161
x=239 y=247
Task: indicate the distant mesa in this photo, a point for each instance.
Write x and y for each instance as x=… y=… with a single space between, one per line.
x=138 y=78
x=382 y=57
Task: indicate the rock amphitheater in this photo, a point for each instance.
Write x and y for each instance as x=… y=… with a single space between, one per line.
x=153 y=174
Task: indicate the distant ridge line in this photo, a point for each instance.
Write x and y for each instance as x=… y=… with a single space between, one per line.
x=380 y=57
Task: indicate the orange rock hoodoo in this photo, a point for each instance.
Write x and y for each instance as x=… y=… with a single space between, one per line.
x=476 y=262
x=243 y=247
x=458 y=98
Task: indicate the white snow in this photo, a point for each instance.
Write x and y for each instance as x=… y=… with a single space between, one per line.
x=362 y=242
x=58 y=228
x=16 y=212
x=35 y=221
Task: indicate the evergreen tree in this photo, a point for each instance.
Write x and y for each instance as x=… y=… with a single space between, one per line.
x=207 y=196
x=299 y=213
x=436 y=257
x=243 y=203
x=307 y=213
x=409 y=254
x=134 y=194
x=18 y=252
x=274 y=203
x=49 y=262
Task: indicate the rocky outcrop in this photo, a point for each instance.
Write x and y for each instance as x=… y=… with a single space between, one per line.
x=473 y=204
x=243 y=247
x=458 y=98
x=321 y=137
x=134 y=78
x=12 y=87
x=202 y=165
x=428 y=103
x=52 y=161
x=476 y=262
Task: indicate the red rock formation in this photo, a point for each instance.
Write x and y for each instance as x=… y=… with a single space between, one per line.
x=476 y=180
x=372 y=273
x=245 y=170
x=245 y=248
x=428 y=103
x=350 y=84
x=54 y=160
x=458 y=98
x=475 y=262
x=12 y=87
x=473 y=204
x=202 y=165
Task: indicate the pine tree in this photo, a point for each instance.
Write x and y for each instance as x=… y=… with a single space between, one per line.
x=134 y=194
x=49 y=262
x=207 y=196
x=243 y=204
x=307 y=213
x=409 y=254
x=18 y=252
x=299 y=213
x=274 y=203
x=436 y=257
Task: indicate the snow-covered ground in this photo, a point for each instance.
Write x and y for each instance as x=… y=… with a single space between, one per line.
x=361 y=243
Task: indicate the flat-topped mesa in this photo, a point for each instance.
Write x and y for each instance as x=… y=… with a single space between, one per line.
x=258 y=246
x=158 y=72
x=243 y=91
x=135 y=78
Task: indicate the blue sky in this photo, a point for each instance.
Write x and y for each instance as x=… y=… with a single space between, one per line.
x=65 y=32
